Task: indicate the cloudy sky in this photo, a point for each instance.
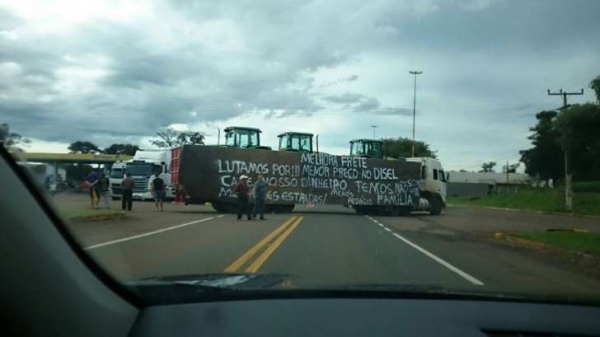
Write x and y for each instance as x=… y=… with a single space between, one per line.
x=121 y=71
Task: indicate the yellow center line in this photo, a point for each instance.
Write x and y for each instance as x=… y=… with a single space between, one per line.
x=235 y=266
x=269 y=251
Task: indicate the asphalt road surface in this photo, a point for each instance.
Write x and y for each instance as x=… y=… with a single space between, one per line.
x=326 y=246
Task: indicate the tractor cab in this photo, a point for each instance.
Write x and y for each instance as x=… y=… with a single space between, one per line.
x=243 y=138
x=367 y=148
x=296 y=141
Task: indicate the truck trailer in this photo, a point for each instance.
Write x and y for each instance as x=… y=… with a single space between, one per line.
x=365 y=179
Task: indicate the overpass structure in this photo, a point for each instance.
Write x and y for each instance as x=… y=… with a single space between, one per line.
x=70 y=158
x=53 y=160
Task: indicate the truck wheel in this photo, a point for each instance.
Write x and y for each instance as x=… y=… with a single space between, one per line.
x=230 y=208
x=224 y=207
x=393 y=211
x=288 y=208
x=403 y=211
x=217 y=206
x=359 y=210
x=283 y=208
x=366 y=210
x=435 y=207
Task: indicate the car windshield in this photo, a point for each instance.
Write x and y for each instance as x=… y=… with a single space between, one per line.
x=426 y=145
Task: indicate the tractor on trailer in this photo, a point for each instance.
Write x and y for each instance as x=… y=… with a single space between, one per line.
x=245 y=139
x=364 y=180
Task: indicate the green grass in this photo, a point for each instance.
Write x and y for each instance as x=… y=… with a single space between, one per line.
x=574 y=241
x=535 y=200
x=89 y=213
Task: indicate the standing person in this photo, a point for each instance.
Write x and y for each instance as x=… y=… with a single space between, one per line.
x=242 y=189
x=103 y=186
x=158 y=189
x=127 y=193
x=92 y=183
x=260 y=194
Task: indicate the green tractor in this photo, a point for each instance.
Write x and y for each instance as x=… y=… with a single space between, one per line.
x=366 y=148
x=243 y=138
x=296 y=141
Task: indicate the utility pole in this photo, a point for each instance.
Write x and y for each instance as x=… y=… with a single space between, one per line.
x=415 y=73
x=374 y=127
x=507 y=171
x=568 y=175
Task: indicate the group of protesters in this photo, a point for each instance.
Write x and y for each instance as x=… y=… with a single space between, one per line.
x=258 y=192
x=99 y=184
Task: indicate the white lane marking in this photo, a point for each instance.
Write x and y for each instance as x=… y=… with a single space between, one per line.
x=147 y=234
x=220 y=216
x=440 y=261
x=431 y=255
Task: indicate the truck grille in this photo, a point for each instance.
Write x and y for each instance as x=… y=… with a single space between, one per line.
x=140 y=185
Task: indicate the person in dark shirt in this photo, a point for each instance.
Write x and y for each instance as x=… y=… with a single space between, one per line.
x=103 y=186
x=92 y=183
x=127 y=193
x=260 y=194
x=158 y=188
x=242 y=189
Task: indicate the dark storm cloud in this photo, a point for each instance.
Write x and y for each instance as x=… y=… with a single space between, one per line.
x=505 y=27
x=364 y=104
x=142 y=70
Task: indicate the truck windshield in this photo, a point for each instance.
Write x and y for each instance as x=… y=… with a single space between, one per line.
x=116 y=173
x=145 y=170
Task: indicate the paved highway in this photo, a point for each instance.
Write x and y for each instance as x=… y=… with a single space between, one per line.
x=328 y=246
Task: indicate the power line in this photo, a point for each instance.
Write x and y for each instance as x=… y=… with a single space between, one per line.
x=564 y=95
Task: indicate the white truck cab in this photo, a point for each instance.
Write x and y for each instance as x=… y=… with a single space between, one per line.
x=433 y=177
x=143 y=168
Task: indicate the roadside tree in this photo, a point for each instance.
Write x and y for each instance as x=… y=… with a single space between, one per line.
x=402 y=148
